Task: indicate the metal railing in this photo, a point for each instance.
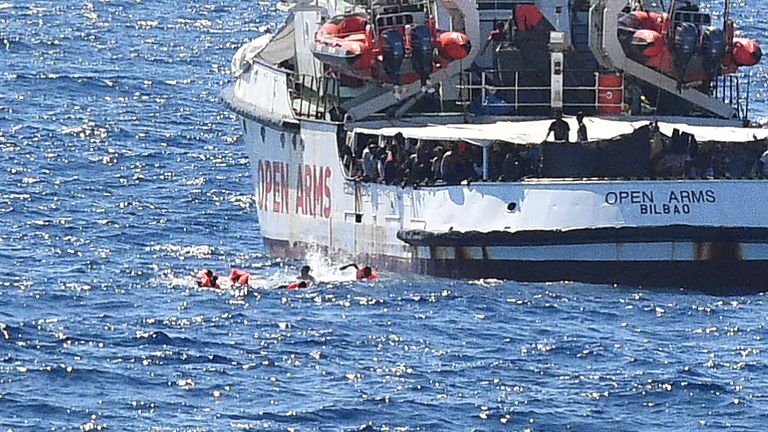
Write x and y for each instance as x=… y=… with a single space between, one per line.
x=519 y=95
x=728 y=88
x=500 y=4
x=314 y=97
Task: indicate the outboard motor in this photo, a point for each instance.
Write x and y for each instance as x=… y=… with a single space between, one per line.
x=686 y=41
x=712 y=50
x=392 y=53
x=421 y=51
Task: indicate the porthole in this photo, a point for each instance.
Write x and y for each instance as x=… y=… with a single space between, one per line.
x=511 y=206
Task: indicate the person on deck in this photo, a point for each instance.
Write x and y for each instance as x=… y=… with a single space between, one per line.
x=369 y=162
x=391 y=166
x=559 y=128
x=362 y=273
x=581 y=132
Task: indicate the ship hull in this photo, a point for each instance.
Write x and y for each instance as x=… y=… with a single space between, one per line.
x=721 y=268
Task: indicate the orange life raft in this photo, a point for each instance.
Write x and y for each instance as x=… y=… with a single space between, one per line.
x=350 y=45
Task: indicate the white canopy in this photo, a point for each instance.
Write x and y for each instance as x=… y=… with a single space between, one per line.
x=716 y=133
x=514 y=132
x=531 y=132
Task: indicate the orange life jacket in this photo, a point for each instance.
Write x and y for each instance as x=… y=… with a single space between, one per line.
x=298 y=284
x=361 y=275
x=206 y=280
x=238 y=276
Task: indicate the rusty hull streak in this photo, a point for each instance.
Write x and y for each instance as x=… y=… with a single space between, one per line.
x=718 y=251
x=464 y=253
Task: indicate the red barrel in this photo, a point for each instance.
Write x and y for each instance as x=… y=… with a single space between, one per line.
x=609 y=93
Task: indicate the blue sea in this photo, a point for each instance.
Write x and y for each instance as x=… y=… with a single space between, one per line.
x=121 y=175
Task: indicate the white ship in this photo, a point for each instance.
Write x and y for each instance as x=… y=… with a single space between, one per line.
x=414 y=135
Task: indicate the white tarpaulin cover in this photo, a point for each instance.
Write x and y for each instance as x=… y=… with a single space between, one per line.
x=515 y=132
x=716 y=133
x=534 y=131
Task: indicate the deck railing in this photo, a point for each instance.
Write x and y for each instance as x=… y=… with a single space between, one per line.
x=732 y=90
x=518 y=94
x=314 y=97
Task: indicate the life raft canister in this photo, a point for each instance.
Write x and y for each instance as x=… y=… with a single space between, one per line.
x=238 y=276
x=453 y=45
x=527 y=16
x=746 y=52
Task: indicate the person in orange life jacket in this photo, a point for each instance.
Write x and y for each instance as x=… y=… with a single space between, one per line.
x=305 y=276
x=239 y=277
x=305 y=280
x=365 y=272
x=207 y=279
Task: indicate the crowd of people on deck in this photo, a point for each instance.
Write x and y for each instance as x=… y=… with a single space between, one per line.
x=411 y=162
x=406 y=162
x=397 y=160
x=681 y=156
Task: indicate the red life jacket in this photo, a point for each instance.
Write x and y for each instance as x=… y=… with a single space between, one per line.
x=206 y=280
x=238 y=276
x=297 y=284
x=361 y=274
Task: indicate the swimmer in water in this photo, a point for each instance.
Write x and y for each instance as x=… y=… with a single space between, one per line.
x=207 y=279
x=305 y=276
x=362 y=273
x=304 y=280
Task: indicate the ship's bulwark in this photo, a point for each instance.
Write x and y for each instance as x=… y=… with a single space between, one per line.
x=712 y=259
